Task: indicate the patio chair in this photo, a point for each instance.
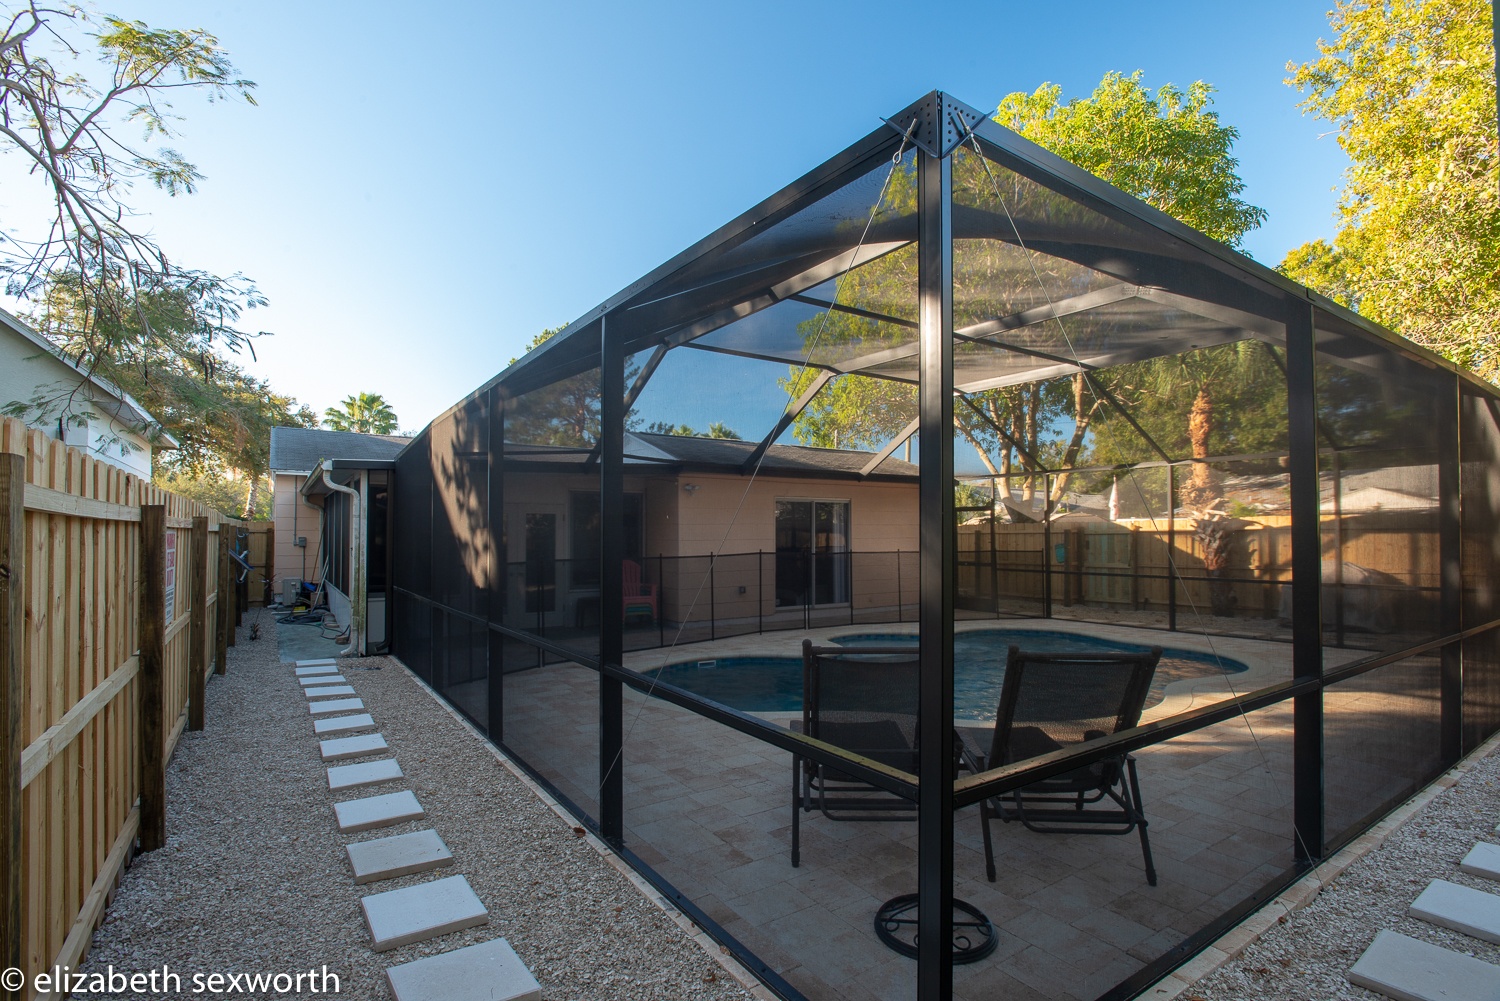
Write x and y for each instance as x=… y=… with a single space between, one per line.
x=864 y=701
x=640 y=597
x=1050 y=701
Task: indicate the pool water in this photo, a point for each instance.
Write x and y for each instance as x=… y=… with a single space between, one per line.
x=774 y=684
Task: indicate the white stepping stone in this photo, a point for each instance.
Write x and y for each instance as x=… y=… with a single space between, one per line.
x=378 y=811
x=322 y=679
x=308 y=672
x=316 y=662
x=335 y=706
x=1483 y=860
x=1409 y=970
x=342 y=724
x=398 y=855
x=489 y=971
x=366 y=773
x=314 y=693
x=418 y=913
x=352 y=747
x=1472 y=912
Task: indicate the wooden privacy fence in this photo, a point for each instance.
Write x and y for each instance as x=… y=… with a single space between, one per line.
x=111 y=618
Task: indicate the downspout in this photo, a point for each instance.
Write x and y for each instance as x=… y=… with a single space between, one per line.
x=356 y=562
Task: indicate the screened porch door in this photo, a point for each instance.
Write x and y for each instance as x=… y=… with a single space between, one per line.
x=812 y=552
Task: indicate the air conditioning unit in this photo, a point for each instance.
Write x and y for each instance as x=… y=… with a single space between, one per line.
x=75 y=432
x=290 y=587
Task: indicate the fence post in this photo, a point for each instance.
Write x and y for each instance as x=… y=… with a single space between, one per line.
x=152 y=605
x=231 y=585
x=713 y=605
x=661 y=599
x=12 y=700
x=760 y=591
x=198 y=624
x=268 y=571
x=221 y=607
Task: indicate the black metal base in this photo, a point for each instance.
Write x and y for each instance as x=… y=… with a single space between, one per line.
x=973 y=935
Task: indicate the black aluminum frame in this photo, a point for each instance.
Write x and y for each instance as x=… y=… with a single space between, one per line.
x=607 y=335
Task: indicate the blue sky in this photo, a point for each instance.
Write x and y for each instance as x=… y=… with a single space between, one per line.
x=419 y=192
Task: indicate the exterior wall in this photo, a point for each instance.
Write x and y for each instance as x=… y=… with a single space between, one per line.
x=295 y=517
x=26 y=368
x=712 y=519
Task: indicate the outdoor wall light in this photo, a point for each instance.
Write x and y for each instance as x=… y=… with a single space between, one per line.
x=691 y=488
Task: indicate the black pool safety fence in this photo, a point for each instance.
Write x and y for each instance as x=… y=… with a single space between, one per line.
x=1184 y=448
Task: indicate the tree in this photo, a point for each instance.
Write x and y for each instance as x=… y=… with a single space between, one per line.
x=88 y=142
x=1410 y=85
x=366 y=413
x=715 y=430
x=1166 y=147
x=220 y=415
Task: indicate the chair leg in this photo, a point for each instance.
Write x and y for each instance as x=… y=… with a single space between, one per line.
x=989 y=848
x=1140 y=814
x=796 y=812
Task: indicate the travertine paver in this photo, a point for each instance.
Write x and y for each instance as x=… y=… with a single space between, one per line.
x=1482 y=860
x=343 y=724
x=366 y=773
x=323 y=692
x=308 y=672
x=378 y=811
x=1470 y=911
x=489 y=971
x=316 y=662
x=352 y=747
x=417 y=913
x=398 y=855
x=335 y=706
x=1409 y=970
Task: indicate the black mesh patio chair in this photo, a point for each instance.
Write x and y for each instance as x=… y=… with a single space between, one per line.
x=1053 y=700
x=862 y=700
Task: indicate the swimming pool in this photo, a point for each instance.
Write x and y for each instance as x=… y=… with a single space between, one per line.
x=774 y=684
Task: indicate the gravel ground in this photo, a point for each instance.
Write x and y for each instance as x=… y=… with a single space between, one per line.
x=1308 y=954
x=254 y=877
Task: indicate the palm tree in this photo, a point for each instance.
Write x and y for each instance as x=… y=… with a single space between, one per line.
x=367 y=413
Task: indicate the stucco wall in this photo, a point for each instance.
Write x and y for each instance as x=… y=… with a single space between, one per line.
x=294 y=517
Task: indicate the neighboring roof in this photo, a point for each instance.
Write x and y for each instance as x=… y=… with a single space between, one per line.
x=732 y=452
x=299 y=450
x=121 y=406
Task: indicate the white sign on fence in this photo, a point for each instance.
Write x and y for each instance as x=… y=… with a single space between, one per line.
x=171 y=574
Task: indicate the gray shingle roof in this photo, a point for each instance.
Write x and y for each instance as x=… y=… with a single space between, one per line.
x=298 y=450
x=786 y=458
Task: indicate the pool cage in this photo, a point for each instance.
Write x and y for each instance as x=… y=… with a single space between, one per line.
x=945 y=383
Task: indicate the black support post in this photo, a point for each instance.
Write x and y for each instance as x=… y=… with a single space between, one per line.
x=1307 y=583
x=611 y=582
x=1450 y=549
x=935 y=492
x=494 y=608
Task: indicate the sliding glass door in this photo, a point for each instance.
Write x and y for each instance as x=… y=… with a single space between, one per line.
x=812 y=552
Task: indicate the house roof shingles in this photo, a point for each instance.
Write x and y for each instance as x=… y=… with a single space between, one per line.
x=298 y=450
x=732 y=452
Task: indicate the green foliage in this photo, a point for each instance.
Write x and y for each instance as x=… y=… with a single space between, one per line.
x=715 y=430
x=367 y=413
x=220 y=415
x=1410 y=85
x=81 y=96
x=1167 y=148
x=224 y=494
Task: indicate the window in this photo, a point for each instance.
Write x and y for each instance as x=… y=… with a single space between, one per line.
x=812 y=552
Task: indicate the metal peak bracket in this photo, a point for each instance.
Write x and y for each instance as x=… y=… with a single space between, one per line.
x=942 y=123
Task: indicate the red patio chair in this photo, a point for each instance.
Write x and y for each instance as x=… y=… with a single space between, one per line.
x=640 y=597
